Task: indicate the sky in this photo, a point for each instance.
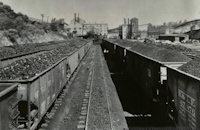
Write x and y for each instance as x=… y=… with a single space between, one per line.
x=112 y=12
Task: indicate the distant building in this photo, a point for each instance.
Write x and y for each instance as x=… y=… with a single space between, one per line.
x=76 y=26
x=187 y=26
x=113 y=33
x=156 y=31
x=143 y=31
x=98 y=28
x=134 y=27
x=129 y=29
x=125 y=31
x=174 y=37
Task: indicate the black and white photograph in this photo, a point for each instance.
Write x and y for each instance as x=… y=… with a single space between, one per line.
x=99 y=64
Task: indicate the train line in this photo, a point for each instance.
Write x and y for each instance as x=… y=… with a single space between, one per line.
x=59 y=101
x=44 y=48
x=166 y=77
x=37 y=98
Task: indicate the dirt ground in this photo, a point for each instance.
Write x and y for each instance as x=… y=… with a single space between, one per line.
x=66 y=117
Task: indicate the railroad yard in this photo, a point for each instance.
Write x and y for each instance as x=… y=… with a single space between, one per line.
x=140 y=72
x=109 y=84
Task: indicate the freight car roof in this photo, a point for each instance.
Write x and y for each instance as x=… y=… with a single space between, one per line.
x=160 y=54
x=157 y=53
x=192 y=67
x=7 y=87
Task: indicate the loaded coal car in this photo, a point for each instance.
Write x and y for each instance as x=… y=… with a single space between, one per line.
x=184 y=98
x=146 y=63
x=41 y=79
x=9 y=106
x=118 y=52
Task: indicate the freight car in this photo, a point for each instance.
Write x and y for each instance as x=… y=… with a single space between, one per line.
x=183 y=99
x=135 y=58
x=164 y=83
x=38 y=93
x=8 y=106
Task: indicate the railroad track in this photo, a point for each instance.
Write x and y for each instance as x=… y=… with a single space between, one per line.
x=84 y=118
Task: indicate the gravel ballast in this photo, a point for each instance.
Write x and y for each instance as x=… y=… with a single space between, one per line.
x=98 y=110
x=103 y=98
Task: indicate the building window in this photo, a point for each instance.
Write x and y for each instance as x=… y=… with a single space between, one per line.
x=74 y=28
x=80 y=28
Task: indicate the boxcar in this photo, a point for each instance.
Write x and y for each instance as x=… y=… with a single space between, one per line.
x=184 y=99
x=145 y=71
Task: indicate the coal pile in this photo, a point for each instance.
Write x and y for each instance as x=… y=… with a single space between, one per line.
x=192 y=67
x=177 y=48
x=160 y=54
x=9 y=51
x=29 y=67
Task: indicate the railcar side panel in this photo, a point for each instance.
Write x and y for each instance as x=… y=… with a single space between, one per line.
x=120 y=58
x=81 y=53
x=73 y=61
x=145 y=71
x=185 y=90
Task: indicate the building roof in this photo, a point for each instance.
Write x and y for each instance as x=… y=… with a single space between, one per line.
x=114 y=30
x=186 y=23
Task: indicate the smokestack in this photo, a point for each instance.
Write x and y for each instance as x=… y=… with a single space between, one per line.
x=75 y=17
x=124 y=20
x=128 y=21
x=78 y=17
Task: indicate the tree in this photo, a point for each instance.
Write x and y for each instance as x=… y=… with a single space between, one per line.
x=6 y=22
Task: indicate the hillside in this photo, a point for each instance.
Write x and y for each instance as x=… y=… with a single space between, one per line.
x=17 y=28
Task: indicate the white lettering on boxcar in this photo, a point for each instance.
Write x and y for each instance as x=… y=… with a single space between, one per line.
x=187 y=107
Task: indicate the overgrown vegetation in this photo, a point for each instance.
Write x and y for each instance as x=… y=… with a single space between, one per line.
x=15 y=25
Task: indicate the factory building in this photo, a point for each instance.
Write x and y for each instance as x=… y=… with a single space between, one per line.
x=129 y=29
x=76 y=26
x=134 y=27
x=97 y=28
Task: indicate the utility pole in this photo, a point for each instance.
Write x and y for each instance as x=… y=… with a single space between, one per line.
x=42 y=17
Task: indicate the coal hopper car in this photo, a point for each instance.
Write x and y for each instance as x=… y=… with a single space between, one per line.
x=35 y=95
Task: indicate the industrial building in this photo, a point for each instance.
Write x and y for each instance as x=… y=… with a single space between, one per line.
x=174 y=37
x=76 y=26
x=129 y=29
x=113 y=33
x=97 y=28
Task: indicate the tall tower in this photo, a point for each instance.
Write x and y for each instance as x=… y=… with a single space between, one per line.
x=134 y=26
